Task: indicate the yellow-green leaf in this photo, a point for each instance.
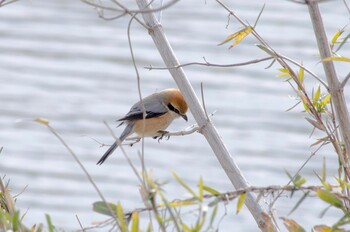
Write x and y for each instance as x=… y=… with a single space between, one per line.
x=330 y=198
x=327 y=99
x=336 y=58
x=121 y=219
x=317 y=94
x=211 y=190
x=240 y=202
x=300 y=182
x=336 y=36
x=301 y=74
x=179 y=203
x=237 y=36
x=201 y=188
x=185 y=185
x=135 y=219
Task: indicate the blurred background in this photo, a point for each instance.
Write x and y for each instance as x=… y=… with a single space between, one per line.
x=60 y=61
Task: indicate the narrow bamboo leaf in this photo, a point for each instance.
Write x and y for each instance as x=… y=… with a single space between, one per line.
x=330 y=198
x=299 y=182
x=121 y=219
x=301 y=75
x=213 y=215
x=336 y=36
x=315 y=124
x=327 y=99
x=211 y=190
x=135 y=219
x=180 y=203
x=15 y=221
x=237 y=36
x=185 y=185
x=265 y=49
x=299 y=202
x=292 y=226
x=49 y=223
x=101 y=207
x=200 y=189
x=186 y=228
x=324 y=171
x=240 y=202
x=336 y=58
x=317 y=94
x=343 y=42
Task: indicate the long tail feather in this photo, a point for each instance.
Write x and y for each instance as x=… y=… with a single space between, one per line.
x=127 y=131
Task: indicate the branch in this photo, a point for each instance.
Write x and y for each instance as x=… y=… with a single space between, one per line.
x=231 y=195
x=208 y=129
x=345 y=80
x=206 y=63
x=335 y=88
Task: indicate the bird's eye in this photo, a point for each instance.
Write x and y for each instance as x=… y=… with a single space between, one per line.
x=172 y=108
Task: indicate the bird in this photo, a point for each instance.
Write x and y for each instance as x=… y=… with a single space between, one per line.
x=160 y=108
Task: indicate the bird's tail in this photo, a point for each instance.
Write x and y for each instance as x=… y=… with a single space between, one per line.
x=127 y=131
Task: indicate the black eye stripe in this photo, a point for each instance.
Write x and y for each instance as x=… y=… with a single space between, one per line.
x=172 y=108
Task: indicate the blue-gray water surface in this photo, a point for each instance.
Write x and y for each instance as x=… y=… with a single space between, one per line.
x=60 y=61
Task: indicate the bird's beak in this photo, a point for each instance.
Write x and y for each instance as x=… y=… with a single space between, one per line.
x=184 y=116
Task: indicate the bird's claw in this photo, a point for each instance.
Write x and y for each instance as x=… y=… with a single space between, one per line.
x=161 y=135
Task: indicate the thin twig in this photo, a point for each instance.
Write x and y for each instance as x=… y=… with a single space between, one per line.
x=206 y=63
x=306 y=70
x=345 y=80
x=81 y=226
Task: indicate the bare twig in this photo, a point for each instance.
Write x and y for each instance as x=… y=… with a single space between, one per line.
x=345 y=81
x=206 y=63
x=4 y=3
x=124 y=9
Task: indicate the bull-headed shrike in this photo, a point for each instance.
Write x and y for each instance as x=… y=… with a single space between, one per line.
x=160 y=108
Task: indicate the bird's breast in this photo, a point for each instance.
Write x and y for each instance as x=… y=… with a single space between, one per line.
x=150 y=126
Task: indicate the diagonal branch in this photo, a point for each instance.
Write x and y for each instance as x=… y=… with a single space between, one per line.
x=209 y=131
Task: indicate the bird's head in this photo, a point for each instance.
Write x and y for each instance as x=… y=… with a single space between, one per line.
x=177 y=103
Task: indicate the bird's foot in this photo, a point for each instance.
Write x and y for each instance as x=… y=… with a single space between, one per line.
x=136 y=141
x=161 y=135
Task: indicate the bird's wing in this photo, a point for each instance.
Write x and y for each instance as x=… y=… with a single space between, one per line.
x=153 y=108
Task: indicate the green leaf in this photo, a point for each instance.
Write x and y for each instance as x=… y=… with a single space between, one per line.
x=49 y=223
x=299 y=182
x=102 y=208
x=240 y=202
x=299 y=202
x=185 y=185
x=336 y=58
x=237 y=36
x=15 y=221
x=330 y=198
x=213 y=214
x=211 y=190
x=265 y=49
x=135 y=219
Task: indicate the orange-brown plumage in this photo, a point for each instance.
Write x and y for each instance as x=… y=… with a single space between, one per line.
x=161 y=109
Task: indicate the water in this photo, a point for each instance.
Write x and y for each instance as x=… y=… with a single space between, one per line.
x=59 y=61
